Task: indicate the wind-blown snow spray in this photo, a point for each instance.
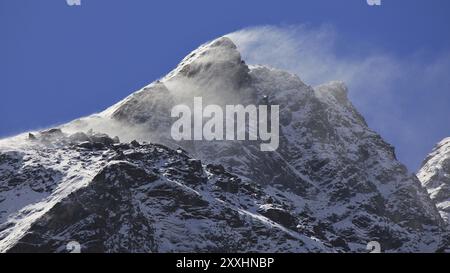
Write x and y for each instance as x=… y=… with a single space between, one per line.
x=256 y=117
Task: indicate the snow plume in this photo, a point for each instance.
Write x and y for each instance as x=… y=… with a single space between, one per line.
x=308 y=52
x=213 y=72
x=405 y=99
x=401 y=97
x=99 y=123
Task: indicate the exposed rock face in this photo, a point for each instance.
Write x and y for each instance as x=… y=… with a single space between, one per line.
x=332 y=185
x=120 y=197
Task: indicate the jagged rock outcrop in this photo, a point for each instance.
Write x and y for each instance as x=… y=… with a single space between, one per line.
x=138 y=197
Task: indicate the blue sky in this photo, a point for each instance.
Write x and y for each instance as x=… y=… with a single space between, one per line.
x=59 y=62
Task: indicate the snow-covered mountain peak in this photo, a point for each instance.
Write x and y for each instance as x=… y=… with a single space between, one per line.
x=328 y=160
x=437 y=163
x=215 y=60
x=332 y=179
x=435 y=177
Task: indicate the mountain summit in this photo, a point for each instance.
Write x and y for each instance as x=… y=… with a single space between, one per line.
x=435 y=177
x=332 y=186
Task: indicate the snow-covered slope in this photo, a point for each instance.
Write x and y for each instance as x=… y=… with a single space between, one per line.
x=131 y=197
x=333 y=184
x=435 y=177
x=330 y=166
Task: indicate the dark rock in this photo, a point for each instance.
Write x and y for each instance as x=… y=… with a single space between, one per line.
x=339 y=243
x=78 y=137
x=124 y=172
x=98 y=146
x=135 y=155
x=103 y=139
x=85 y=144
x=134 y=143
x=215 y=169
x=52 y=132
x=228 y=185
x=195 y=164
x=278 y=215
